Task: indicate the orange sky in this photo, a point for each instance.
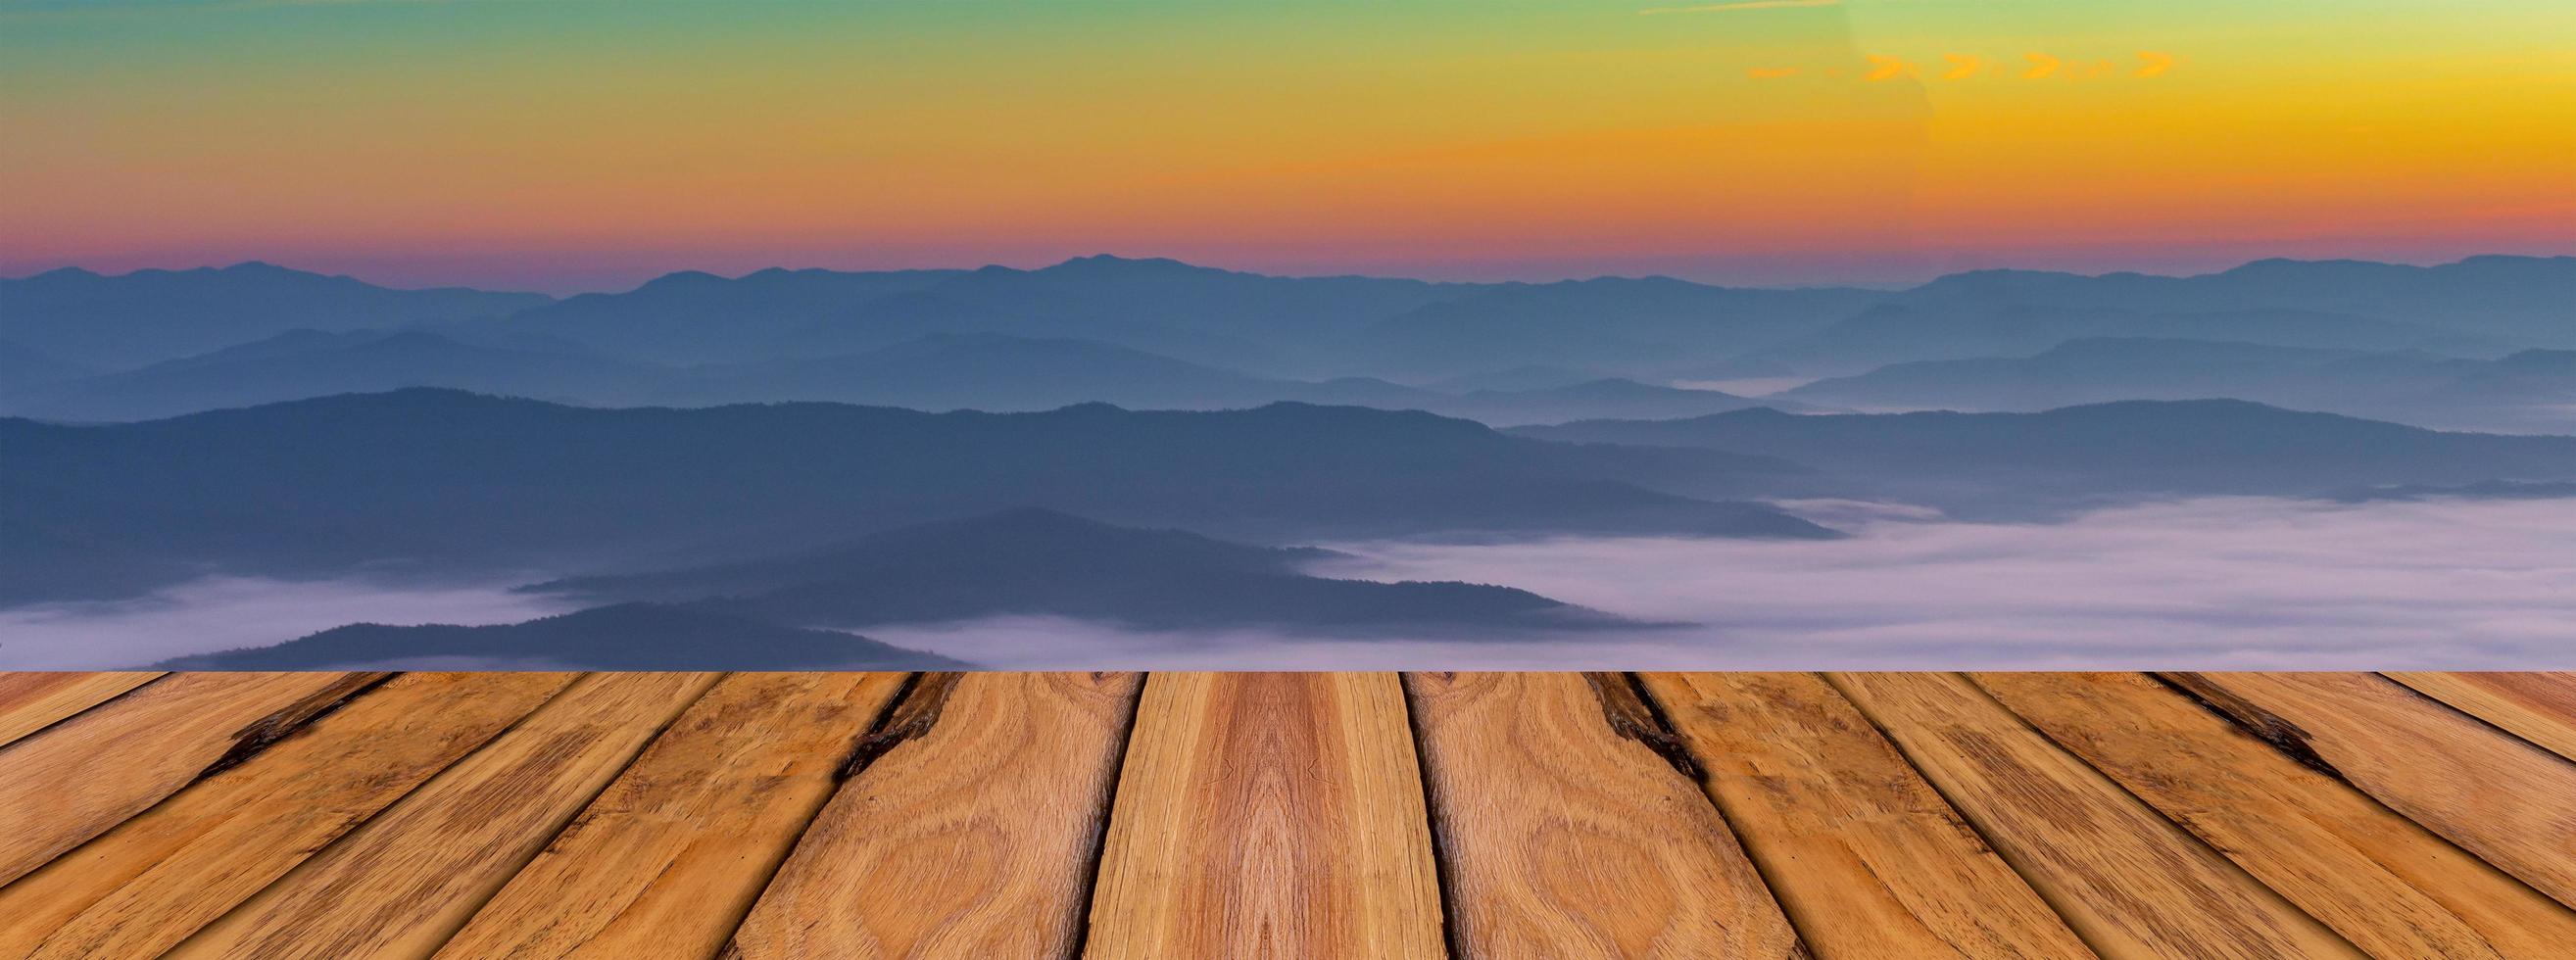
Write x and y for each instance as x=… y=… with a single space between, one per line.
x=566 y=146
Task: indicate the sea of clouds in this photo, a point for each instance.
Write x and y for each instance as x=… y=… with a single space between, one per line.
x=2223 y=583
x=2248 y=583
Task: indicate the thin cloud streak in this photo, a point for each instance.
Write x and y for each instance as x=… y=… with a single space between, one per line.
x=1747 y=5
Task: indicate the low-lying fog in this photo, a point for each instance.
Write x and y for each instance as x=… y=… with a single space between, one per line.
x=222 y=613
x=2214 y=583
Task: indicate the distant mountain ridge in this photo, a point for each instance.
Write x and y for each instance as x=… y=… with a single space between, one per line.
x=127 y=320
x=1643 y=326
x=2530 y=391
x=691 y=317
x=1309 y=328
x=2515 y=296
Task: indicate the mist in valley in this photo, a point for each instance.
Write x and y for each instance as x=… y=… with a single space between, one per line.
x=226 y=612
x=2216 y=583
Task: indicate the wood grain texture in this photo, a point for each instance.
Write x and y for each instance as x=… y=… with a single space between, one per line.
x=33 y=701
x=2495 y=795
x=975 y=839
x=2389 y=886
x=400 y=885
x=2129 y=882
x=1560 y=838
x=1867 y=858
x=1268 y=815
x=155 y=879
x=79 y=777
x=671 y=855
x=2539 y=707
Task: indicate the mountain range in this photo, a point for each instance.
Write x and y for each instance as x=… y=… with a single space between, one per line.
x=1415 y=332
x=449 y=479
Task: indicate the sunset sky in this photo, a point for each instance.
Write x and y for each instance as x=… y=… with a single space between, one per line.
x=587 y=145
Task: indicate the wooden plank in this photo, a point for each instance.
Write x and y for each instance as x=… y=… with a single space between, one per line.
x=33 y=701
x=2129 y=882
x=153 y=880
x=2384 y=883
x=2539 y=707
x=79 y=777
x=2495 y=795
x=1561 y=838
x=1268 y=815
x=975 y=839
x=400 y=885
x=1867 y=858
x=671 y=855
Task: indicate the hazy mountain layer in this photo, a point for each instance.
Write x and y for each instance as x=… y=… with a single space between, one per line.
x=111 y=322
x=1272 y=325
x=946 y=372
x=691 y=317
x=1639 y=327
x=21 y=364
x=1041 y=562
x=2014 y=462
x=2531 y=391
x=308 y=363
x=1910 y=332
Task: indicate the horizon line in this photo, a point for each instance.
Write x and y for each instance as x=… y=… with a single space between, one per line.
x=1344 y=275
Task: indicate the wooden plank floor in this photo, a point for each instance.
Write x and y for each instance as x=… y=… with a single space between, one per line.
x=1549 y=815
